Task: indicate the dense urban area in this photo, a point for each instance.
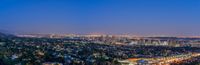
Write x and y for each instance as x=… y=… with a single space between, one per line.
x=71 y=49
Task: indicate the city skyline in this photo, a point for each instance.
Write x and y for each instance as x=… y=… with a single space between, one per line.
x=138 y=17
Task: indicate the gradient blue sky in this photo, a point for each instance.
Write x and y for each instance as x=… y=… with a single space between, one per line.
x=138 y=17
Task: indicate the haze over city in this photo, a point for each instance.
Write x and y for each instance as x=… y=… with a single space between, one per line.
x=137 y=17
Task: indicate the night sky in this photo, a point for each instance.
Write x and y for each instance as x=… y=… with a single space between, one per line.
x=137 y=17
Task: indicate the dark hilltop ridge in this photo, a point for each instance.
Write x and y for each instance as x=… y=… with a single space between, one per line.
x=2 y=35
x=6 y=35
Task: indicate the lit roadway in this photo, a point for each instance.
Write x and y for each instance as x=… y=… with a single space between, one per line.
x=162 y=60
x=172 y=59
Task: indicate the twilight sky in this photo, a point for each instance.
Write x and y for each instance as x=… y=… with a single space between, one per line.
x=138 y=17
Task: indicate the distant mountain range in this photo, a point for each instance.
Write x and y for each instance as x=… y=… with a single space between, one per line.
x=6 y=31
x=6 y=35
x=2 y=35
